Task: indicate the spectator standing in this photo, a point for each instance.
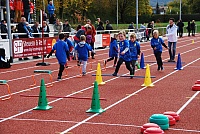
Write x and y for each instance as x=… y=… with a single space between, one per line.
x=26 y=7
x=57 y=27
x=188 y=27
x=172 y=39
x=193 y=27
x=52 y=19
x=66 y=26
x=93 y=33
x=4 y=29
x=180 y=25
x=12 y=10
x=131 y=26
x=97 y=23
x=100 y=26
x=50 y=8
x=108 y=25
x=18 y=6
x=31 y=11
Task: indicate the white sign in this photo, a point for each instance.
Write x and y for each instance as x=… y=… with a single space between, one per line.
x=4 y=43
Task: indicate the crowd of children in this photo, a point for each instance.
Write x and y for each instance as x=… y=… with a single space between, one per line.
x=121 y=50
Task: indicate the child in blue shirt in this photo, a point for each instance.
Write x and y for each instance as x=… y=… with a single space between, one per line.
x=113 y=52
x=82 y=48
x=156 y=44
x=124 y=54
x=134 y=47
x=62 y=52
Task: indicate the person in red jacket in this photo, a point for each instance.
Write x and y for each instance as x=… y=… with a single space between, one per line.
x=31 y=11
x=93 y=33
x=18 y=6
x=12 y=10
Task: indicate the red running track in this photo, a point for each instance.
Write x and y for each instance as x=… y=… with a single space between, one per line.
x=128 y=105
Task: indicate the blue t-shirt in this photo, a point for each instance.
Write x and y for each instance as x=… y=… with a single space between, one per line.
x=113 y=51
x=122 y=46
x=157 y=43
x=134 y=49
x=61 y=48
x=82 y=49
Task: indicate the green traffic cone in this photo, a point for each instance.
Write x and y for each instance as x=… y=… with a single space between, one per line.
x=95 y=106
x=42 y=102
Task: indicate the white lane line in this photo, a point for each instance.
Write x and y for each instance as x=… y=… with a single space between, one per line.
x=100 y=123
x=130 y=95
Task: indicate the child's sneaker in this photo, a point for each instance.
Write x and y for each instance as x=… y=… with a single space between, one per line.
x=114 y=74
x=59 y=78
x=84 y=73
x=105 y=62
x=78 y=63
x=158 y=68
x=162 y=68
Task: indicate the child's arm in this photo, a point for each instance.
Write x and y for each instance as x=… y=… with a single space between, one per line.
x=163 y=43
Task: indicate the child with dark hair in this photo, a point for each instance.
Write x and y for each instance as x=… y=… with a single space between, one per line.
x=156 y=44
x=113 y=51
x=134 y=47
x=82 y=48
x=62 y=53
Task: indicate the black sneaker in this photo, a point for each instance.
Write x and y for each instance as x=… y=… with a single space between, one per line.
x=169 y=60
x=114 y=74
x=59 y=78
x=84 y=73
x=172 y=60
x=162 y=68
x=93 y=57
x=158 y=68
x=131 y=76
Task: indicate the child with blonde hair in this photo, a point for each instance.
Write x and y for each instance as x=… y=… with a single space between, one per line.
x=82 y=48
x=156 y=44
x=134 y=47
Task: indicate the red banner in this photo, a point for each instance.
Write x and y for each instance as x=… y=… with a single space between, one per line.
x=105 y=40
x=32 y=46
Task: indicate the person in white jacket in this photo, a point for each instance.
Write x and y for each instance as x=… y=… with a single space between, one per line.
x=172 y=39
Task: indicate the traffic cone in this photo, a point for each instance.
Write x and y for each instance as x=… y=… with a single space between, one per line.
x=192 y=41
x=98 y=75
x=147 y=79
x=142 y=66
x=95 y=105
x=42 y=102
x=179 y=64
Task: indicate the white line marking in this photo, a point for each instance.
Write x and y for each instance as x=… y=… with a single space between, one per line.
x=100 y=123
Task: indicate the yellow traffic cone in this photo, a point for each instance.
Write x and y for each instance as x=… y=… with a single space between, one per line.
x=147 y=79
x=192 y=41
x=98 y=75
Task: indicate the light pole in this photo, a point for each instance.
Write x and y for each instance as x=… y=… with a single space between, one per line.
x=137 y=15
x=180 y=11
x=117 y=14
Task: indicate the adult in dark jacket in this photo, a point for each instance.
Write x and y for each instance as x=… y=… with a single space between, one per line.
x=188 y=28
x=26 y=6
x=3 y=29
x=23 y=29
x=45 y=28
x=66 y=26
x=180 y=25
x=108 y=26
x=36 y=29
x=193 y=27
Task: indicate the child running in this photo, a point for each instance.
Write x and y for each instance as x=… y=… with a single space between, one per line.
x=156 y=44
x=134 y=47
x=124 y=54
x=113 y=52
x=82 y=48
x=62 y=52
